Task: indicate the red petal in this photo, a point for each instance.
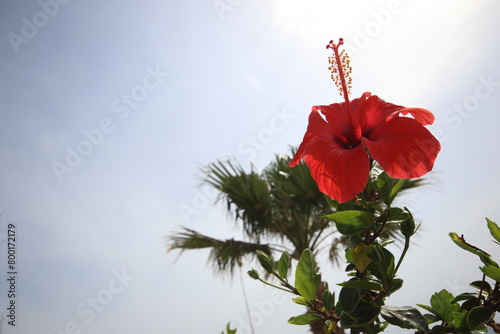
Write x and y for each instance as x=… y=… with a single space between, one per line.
x=340 y=173
x=318 y=127
x=423 y=116
x=403 y=147
x=373 y=111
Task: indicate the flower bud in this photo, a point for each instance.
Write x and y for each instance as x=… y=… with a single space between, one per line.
x=253 y=274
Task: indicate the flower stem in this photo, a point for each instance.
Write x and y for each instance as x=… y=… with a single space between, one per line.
x=405 y=249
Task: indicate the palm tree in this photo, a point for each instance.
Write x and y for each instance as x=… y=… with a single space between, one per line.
x=278 y=208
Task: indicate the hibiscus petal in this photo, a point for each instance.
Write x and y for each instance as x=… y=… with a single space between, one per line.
x=373 y=111
x=403 y=147
x=339 y=172
x=423 y=116
x=317 y=127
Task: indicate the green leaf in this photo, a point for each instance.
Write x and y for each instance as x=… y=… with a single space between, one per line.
x=360 y=257
x=430 y=318
x=307 y=279
x=459 y=319
x=397 y=215
x=389 y=187
x=366 y=312
x=492 y=272
x=301 y=301
x=363 y=285
x=304 y=319
x=464 y=296
x=494 y=230
x=404 y=317
x=460 y=241
x=395 y=190
x=265 y=261
x=328 y=299
x=352 y=218
x=438 y=330
x=348 y=300
x=333 y=203
x=396 y=284
x=427 y=308
x=346 y=320
x=441 y=303
x=481 y=285
x=478 y=316
x=349 y=230
x=284 y=264
x=229 y=330
x=385 y=268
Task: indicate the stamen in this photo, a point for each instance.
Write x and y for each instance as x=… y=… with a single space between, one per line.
x=341 y=75
x=340 y=69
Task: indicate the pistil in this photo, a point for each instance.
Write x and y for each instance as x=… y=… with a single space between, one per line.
x=341 y=76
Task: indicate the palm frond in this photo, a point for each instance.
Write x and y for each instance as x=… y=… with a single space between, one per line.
x=224 y=254
x=246 y=195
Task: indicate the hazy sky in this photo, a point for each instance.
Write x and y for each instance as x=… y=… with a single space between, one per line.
x=109 y=108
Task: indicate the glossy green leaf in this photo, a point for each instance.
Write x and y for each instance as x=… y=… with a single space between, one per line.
x=365 y=312
x=349 y=230
x=385 y=268
x=492 y=272
x=404 y=317
x=229 y=330
x=441 y=303
x=284 y=264
x=481 y=285
x=363 y=285
x=494 y=230
x=301 y=301
x=438 y=330
x=307 y=279
x=396 y=284
x=459 y=319
x=328 y=299
x=348 y=300
x=478 y=316
x=460 y=241
x=352 y=218
x=395 y=190
x=431 y=318
x=464 y=296
x=360 y=257
x=346 y=320
x=333 y=203
x=397 y=215
x=389 y=187
x=428 y=308
x=304 y=319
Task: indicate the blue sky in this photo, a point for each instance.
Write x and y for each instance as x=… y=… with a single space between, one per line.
x=144 y=93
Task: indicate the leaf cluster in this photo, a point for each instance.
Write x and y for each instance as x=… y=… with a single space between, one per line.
x=372 y=268
x=469 y=312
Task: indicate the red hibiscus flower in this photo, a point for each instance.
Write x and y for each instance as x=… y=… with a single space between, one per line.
x=343 y=139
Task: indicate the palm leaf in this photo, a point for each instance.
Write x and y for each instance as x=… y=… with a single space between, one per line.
x=224 y=254
x=246 y=195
